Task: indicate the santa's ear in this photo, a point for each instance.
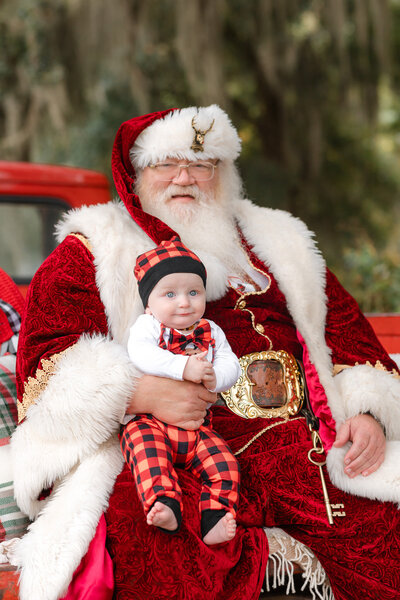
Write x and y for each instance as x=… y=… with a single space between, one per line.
x=148 y=311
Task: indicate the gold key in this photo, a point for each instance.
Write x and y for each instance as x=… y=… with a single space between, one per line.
x=337 y=513
x=318 y=449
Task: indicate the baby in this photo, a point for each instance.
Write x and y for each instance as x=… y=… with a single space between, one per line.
x=173 y=340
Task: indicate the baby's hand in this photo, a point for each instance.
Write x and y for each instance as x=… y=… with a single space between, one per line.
x=209 y=379
x=196 y=367
x=200 y=370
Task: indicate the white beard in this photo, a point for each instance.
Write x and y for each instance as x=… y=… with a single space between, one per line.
x=206 y=225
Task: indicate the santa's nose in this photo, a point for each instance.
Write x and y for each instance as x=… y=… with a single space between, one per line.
x=183 y=176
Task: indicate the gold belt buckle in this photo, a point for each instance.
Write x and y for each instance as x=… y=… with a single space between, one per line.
x=270 y=385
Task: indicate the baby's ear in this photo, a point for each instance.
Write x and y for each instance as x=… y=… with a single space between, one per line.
x=148 y=311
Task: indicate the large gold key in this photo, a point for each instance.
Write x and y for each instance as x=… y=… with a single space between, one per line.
x=318 y=449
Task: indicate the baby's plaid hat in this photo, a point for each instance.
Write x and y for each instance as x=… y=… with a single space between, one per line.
x=171 y=256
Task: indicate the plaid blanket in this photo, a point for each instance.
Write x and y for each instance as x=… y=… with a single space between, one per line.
x=8 y=395
x=12 y=522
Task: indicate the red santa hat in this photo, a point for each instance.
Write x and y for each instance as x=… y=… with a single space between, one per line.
x=190 y=133
x=171 y=256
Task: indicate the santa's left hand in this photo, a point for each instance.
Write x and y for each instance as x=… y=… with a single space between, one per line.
x=367 y=451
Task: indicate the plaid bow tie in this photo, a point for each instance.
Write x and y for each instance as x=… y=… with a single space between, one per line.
x=200 y=337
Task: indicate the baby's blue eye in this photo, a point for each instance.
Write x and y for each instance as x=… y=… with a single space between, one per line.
x=170 y=294
x=192 y=293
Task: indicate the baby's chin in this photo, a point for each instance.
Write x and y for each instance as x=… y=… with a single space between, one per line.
x=181 y=322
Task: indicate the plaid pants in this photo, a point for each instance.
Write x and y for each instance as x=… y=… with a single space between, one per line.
x=152 y=449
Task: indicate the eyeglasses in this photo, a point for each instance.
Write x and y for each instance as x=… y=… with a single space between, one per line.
x=200 y=170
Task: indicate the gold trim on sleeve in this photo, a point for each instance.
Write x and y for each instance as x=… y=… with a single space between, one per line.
x=34 y=386
x=378 y=365
x=339 y=368
x=84 y=240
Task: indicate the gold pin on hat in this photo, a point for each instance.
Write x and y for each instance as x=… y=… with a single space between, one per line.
x=198 y=140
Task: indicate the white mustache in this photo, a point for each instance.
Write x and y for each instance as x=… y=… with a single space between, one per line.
x=179 y=190
x=160 y=197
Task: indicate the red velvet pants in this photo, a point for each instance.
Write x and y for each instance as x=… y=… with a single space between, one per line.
x=280 y=487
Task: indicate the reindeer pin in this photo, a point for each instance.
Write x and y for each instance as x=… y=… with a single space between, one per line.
x=198 y=140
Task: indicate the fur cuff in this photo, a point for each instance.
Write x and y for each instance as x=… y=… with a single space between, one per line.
x=173 y=136
x=66 y=526
x=80 y=409
x=383 y=485
x=365 y=389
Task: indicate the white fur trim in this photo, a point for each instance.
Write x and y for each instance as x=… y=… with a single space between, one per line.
x=284 y=243
x=396 y=358
x=68 y=439
x=55 y=543
x=79 y=410
x=383 y=484
x=172 y=137
x=116 y=242
x=365 y=389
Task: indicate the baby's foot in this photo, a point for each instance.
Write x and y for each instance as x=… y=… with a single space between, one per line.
x=163 y=516
x=223 y=531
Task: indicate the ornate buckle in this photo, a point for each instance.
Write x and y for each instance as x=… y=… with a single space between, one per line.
x=270 y=385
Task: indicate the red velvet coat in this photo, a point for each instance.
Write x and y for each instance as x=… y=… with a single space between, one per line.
x=75 y=379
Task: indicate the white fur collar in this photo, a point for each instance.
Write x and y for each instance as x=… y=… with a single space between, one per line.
x=115 y=241
x=284 y=244
x=280 y=240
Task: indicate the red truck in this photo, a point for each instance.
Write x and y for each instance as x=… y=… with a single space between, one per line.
x=32 y=199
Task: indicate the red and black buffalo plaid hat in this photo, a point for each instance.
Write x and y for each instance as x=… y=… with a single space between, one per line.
x=171 y=256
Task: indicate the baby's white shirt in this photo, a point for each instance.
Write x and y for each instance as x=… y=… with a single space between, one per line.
x=148 y=357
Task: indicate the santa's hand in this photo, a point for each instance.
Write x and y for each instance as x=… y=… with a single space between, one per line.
x=180 y=403
x=367 y=451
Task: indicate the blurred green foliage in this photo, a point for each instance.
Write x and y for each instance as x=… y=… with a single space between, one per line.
x=312 y=86
x=378 y=275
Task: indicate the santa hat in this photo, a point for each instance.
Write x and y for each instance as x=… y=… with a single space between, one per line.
x=171 y=256
x=190 y=133
x=170 y=133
